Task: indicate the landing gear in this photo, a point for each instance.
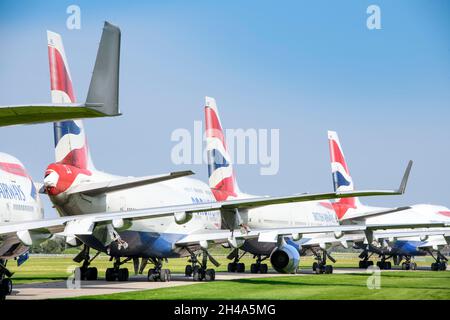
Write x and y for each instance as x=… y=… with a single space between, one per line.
x=408 y=264
x=158 y=273
x=117 y=273
x=199 y=270
x=6 y=285
x=162 y=275
x=236 y=266
x=86 y=272
x=320 y=266
x=383 y=264
x=192 y=268
x=441 y=262
x=365 y=262
x=258 y=266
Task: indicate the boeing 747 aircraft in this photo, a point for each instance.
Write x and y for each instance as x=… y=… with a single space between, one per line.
x=285 y=257
x=178 y=215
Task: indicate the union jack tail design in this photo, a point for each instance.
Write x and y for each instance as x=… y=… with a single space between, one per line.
x=342 y=179
x=70 y=140
x=222 y=180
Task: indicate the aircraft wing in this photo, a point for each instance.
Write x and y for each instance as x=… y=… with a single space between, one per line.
x=407 y=225
x=363 y=215
x=262 y=234
x=264 y=201
x=411 y=233
x=83 y=224
x=96 y=188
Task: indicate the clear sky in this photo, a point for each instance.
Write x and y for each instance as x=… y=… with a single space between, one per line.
x=299 y=66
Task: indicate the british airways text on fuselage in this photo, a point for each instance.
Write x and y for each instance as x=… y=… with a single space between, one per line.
x=11 y=191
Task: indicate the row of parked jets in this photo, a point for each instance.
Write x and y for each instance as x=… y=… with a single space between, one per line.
x=152 y=218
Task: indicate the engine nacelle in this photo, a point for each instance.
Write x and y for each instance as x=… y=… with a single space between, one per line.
x=182 y=217
x=285 y=259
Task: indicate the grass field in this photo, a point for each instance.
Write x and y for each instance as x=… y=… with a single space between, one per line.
x=394 y=285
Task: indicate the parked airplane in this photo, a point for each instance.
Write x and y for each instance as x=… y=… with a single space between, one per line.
x=388 y=247
x=181 y=218
x=19 y=197
x=222 y=181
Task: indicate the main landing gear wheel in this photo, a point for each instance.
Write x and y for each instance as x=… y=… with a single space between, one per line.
x=439 y=266
x=199 y=269
x=320 y=266
x=117 y=273
x=210 y=275
x=364 y=264
x=188 y=270
x=157 y=273
x=258 y=266
x=236 y=267
x=6 y=287
x=384 y=265
x=85 y=272
x=409 y=266
x=162 y=275
x=88 y=274
x=441 y=261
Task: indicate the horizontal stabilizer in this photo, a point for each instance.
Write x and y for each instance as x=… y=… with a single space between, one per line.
x=102 y=99
x=39 y=113
x=96 y=188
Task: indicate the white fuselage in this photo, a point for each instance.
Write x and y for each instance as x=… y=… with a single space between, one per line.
x=19 y=201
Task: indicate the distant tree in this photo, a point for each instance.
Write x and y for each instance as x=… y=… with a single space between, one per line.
x=53 y=245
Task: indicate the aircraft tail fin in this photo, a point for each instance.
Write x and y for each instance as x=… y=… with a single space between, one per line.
x=70 y=139
x=222 y=180
x=71 y=146
x=342 y=180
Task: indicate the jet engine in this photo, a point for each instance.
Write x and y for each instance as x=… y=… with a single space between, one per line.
x=285 y=259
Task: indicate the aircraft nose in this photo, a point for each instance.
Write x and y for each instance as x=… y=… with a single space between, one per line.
x=51 y=179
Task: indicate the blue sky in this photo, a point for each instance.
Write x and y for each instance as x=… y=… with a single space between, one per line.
x=300 y=66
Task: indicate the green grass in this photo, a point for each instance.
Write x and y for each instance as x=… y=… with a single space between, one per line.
x=394 y=285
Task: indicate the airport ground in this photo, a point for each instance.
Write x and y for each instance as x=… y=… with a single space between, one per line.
x=45 y=277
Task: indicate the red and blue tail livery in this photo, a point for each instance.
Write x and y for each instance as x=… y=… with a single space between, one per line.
x=342 y=180
x=70 y=140
x=71 y=149
x=220 y=170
